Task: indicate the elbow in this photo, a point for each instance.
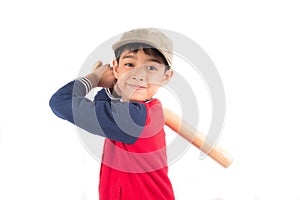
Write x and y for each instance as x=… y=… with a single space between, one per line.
x=60 y=108
x=54 y=105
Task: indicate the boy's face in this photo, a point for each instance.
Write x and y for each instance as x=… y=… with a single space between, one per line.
x=139 y=75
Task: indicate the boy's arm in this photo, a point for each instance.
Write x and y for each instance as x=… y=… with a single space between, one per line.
x=112 y=119
x=196 y=138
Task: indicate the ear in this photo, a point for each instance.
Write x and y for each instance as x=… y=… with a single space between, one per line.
x=115 y=67
x=167 y=76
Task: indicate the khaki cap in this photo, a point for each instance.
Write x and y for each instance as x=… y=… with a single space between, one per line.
x=150 y=36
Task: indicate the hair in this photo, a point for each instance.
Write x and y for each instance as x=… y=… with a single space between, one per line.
x=147 y=49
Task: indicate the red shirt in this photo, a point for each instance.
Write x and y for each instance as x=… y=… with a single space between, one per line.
x=140 y=170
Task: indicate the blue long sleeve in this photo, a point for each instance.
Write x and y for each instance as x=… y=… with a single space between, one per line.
x=120 y=121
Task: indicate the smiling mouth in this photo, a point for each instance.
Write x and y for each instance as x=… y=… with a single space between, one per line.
x=136 y=87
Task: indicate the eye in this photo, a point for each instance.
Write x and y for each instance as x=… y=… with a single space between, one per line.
x=129 y=65
x=151 y=68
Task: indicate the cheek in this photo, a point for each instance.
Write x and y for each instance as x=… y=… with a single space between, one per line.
x=120 y=71
x=120 y=82
x=153 y=89
x=122 y=75
x=155 y=79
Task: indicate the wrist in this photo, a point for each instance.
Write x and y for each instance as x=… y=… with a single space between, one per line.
x=93 y=79
x=86 y=83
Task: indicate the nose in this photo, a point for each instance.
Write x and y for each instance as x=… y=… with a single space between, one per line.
x=138 y=74
x=137 y=78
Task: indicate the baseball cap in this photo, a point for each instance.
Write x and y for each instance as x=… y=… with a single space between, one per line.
x=150 y=36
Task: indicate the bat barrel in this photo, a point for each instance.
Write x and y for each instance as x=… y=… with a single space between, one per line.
x=197 y=138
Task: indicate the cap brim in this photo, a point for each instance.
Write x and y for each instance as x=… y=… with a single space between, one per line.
x=119 y=44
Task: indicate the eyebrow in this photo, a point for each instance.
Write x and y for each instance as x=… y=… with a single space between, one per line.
x=129 y=56
x=134 y=57
x=154 y=60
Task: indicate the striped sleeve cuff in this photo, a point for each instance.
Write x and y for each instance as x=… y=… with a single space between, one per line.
x=87 y=84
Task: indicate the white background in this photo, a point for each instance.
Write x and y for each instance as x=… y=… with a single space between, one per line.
x=255 y=46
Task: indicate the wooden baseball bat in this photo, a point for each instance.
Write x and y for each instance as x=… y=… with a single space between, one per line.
x=197 y=138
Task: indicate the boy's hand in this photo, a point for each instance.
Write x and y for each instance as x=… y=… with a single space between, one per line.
x=105 y=74
x=102 y=76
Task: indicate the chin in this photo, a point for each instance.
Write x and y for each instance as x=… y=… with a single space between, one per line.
x=138 y=97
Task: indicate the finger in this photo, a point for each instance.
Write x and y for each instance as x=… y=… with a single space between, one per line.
x=107 y=66
x=97 y=65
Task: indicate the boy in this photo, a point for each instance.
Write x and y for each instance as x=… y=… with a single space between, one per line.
x=134 y=162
